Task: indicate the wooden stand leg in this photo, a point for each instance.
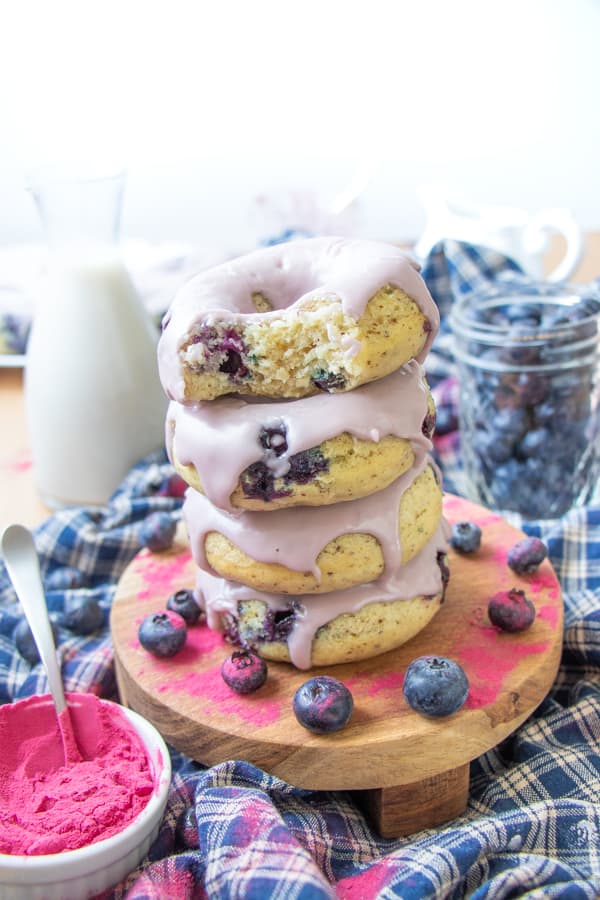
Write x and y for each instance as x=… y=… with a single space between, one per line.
x=401 y=810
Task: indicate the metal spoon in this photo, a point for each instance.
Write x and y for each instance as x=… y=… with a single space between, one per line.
x=21 y=559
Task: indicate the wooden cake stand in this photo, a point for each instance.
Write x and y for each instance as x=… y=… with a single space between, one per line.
x=410 y=772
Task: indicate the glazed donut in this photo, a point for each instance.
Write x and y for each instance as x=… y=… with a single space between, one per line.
x=313 y=550
x=309 y=452
x=327 y=629
x=322 y=314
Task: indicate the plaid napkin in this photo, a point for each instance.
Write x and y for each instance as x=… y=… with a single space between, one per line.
x=532 y=824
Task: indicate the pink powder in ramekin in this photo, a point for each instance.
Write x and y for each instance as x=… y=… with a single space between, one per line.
x=48 y=806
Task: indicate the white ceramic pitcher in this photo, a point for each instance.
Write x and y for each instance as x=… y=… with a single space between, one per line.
x=522 y=236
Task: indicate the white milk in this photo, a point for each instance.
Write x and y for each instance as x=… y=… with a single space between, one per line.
x=93 y=398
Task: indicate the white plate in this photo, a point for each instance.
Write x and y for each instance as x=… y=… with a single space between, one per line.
x=12 y=360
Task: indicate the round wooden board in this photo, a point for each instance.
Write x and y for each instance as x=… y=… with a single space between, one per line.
x=386 y=744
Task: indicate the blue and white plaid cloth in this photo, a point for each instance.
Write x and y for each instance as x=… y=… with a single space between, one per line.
x=532 y=825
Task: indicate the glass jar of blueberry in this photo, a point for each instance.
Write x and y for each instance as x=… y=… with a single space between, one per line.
x=528 y=366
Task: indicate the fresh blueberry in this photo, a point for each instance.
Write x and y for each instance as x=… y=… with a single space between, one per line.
x=535 y=443
x=466 y=537
x=511 y=422
x=172 y=486
x=84 y=616
x=435 y=686
x=186 y=828
x=64 y=579
x=184 y=603
x=511 y=610
x=493 y=446
x=244 y=672
x=25 y=643
x=157 y=531
x=323 y=704
x=163 y=633
x=446 y=420
x=526 y=555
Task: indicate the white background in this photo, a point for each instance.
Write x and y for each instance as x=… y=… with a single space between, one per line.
x=212 y=104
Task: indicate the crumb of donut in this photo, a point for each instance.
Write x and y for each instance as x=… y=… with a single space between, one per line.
x=261 y=304
x=313 y=347
x=351 y=468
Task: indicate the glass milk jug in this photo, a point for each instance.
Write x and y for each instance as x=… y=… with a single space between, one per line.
x=93 y=399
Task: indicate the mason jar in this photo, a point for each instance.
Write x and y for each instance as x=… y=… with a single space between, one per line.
x=527 y=358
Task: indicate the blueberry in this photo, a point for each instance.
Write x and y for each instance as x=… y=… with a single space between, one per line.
x=511 y=610
x=535 y=443
x=244 y=672
x=329 y=381
x=435 y=686
x=428 y=425
x=493 y=446
x=274 y=438
x=466 y=537
x=446 y=420
x=25 y=643
x=157 y=531
x=184 y=603
x=84 y=616
x=511 y=422
x=526 y=555
x=172 y=486
x=233 y=348
x=258 y=479
x=186 y=828
x=323 y=704
x=233 y=365
x=306 y=465
x=163 y=633
x=281 y=623
x=63 y=579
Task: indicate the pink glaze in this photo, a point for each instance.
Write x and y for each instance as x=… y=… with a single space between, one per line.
x=288 y=275
x=421 y=576
x=49 y=807
x=221 y=437
x=273 y=537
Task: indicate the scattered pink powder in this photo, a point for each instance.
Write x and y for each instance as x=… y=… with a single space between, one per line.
x=160 y=574
x=23 y=464
x=208 y=686
x=47 y=806
x=488 y=658
x=549 y=613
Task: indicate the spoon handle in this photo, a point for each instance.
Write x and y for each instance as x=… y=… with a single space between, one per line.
x=22 y=563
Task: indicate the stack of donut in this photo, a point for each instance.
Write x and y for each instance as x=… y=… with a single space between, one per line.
x=301 y=419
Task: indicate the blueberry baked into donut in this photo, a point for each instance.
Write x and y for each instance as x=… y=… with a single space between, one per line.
x=309 y=452
x=323 y=314
x=338 y=627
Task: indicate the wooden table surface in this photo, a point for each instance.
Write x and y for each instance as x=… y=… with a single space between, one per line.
x=19 y=501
